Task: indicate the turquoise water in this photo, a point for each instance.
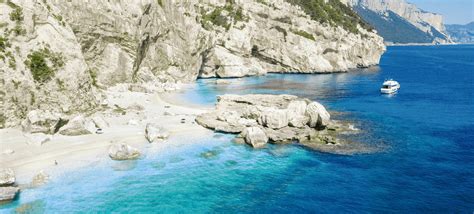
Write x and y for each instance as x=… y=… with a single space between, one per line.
x=426 y=165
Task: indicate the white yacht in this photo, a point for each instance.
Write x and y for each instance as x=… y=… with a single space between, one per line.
x=389 y=87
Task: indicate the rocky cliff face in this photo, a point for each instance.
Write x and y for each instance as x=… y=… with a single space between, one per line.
x=429 y=23
x=57 y=54
x=462 y=33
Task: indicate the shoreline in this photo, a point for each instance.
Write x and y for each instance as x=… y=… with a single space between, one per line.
x=74 y=152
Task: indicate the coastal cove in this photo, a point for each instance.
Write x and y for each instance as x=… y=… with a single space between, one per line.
x=423 y=136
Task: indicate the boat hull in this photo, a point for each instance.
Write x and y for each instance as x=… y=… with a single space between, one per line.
x=389 y=90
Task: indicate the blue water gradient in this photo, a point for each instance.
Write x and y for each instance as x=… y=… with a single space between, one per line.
x=426 y=165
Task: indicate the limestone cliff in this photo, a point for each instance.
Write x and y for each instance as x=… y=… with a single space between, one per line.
x=429 y=25
x=57 y=54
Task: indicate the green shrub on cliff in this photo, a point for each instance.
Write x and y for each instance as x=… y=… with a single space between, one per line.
x=3 y=43
x=43 y=64
x=17 y=14
x=217 y=17
x=304 y=34
x=333 y=12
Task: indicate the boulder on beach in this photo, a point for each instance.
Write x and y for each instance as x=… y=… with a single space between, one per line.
x=122 y=151
x=78 y=126
x=7 y=177
x=154 y=133
x=8 y=193
x=41 y=121
x=255 y=137
x=37 y=139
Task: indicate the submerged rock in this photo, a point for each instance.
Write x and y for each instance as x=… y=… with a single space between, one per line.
x=7 y=177
x=40 y=179
x=255 y=137
x=123 y=151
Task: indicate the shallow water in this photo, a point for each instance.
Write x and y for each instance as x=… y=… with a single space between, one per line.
x=427 y=164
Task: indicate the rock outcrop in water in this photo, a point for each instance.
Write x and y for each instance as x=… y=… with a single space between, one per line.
x=260 y=119
x=55 y=55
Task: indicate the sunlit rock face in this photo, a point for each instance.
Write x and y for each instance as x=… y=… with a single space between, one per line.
x=429 y=24
x=83 y=46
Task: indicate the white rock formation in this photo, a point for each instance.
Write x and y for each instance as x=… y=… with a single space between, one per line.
x=255 y=137
x=318 y=116
x=296 y=114
x=8 y=193
x=79 y=125
x=40 y=121
x=274 y=118
x=122 y=151
x=7 y=177
x=155 y=133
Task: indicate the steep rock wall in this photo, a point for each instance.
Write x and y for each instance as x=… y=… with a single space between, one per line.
x=430 y=23
x=58 y=56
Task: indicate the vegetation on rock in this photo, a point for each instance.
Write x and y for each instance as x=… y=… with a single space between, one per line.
x=333 y=12
x=304 y=34
x=43 y=64
x=223 y=16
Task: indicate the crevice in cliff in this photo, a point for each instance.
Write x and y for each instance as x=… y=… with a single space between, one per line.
x=142 y=50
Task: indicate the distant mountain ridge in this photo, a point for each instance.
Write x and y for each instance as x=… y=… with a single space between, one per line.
x=401 y=22
x=462 y=33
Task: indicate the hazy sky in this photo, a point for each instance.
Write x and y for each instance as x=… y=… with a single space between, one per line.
x=453 y=11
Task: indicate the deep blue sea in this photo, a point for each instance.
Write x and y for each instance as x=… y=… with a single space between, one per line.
x=425 y=164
